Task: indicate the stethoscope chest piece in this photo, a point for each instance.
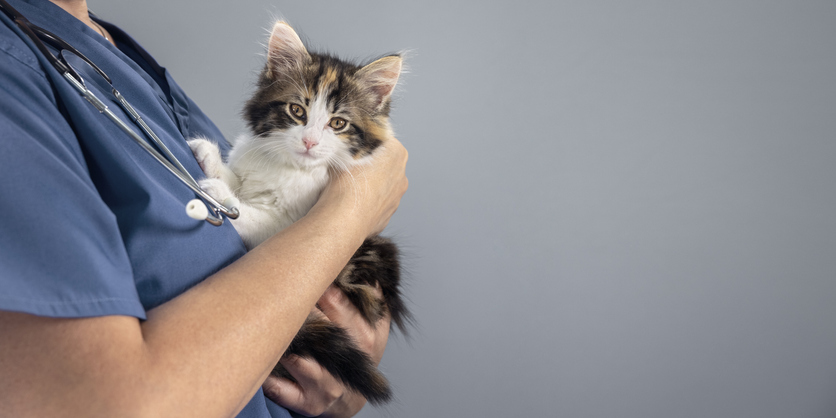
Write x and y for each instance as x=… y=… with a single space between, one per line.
x=197 y=209
x=63 y=63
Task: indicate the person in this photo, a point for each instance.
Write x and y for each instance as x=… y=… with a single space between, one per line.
x=113 y=302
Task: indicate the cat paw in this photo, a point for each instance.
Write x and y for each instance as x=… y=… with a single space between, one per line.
x=208 y=156
x=217 y=189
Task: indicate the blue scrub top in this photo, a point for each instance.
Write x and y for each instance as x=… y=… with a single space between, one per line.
x=91 y=224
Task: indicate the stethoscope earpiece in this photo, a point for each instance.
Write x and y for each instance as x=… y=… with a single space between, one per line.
x=196 y=209
x=232 y=203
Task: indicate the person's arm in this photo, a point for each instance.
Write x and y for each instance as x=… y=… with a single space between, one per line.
x=316 y=392
x=206 y=352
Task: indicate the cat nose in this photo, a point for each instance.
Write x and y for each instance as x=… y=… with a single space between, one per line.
x=310 y=143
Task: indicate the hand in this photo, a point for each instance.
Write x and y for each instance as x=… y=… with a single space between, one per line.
x=374 y=190
x=316 y=392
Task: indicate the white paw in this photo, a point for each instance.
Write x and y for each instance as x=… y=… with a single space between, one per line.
x=217 y=189
x=208 y=155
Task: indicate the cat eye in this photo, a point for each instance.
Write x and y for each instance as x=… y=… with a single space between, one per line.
x=337 y=123
x=297 y=111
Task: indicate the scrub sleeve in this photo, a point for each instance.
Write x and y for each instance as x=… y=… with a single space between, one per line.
x=91 y=224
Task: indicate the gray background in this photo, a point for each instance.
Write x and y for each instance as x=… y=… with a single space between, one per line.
x=616 y=209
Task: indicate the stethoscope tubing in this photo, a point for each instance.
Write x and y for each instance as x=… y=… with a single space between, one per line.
x=179 y=171
x=194 y=208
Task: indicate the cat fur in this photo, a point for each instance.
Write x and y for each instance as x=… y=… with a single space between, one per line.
x=278 y=172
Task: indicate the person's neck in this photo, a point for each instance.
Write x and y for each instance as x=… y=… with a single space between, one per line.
x=78 y=8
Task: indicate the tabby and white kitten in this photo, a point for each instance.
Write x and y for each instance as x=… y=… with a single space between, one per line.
x=311 y=113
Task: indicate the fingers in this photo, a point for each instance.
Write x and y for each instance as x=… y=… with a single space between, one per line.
x=339 y=309
x=378 y=186
x=310 y=375
x=397 y=153
x=336 y=306
x=314 y=391
x=283 y=392
x=400 y=183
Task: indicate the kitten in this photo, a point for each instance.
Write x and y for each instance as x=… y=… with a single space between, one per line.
x=311 y=113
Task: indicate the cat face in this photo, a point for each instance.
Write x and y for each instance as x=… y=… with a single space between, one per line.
x=318 y=110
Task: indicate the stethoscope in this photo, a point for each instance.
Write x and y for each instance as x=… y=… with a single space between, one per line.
x=195 y=208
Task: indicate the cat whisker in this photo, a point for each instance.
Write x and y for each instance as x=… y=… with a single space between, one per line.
x=343 y=166
x=278 y=181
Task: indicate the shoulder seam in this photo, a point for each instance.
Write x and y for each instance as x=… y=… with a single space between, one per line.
x=21 y=56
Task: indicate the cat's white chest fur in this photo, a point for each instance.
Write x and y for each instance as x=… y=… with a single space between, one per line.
x=286 y=192
x=300 y=127
x=273 y=193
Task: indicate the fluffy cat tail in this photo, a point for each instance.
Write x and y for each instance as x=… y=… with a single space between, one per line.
x=331 y=347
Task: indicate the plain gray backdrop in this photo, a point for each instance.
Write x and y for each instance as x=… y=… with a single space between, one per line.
x=616 y=208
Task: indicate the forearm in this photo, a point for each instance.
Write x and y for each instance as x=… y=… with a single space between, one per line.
x=241 y=319
x=203 y=353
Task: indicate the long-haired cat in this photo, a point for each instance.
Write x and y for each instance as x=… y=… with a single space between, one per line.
x=311 y=113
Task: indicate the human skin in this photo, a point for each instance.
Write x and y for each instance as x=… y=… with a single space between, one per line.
x=316 y=392
x=206 y=352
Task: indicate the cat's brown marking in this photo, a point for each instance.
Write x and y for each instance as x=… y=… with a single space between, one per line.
x=361 y=95
x=329 y=78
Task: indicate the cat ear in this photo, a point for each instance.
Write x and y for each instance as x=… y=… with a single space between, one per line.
x=381 y=76
x=285 y=49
